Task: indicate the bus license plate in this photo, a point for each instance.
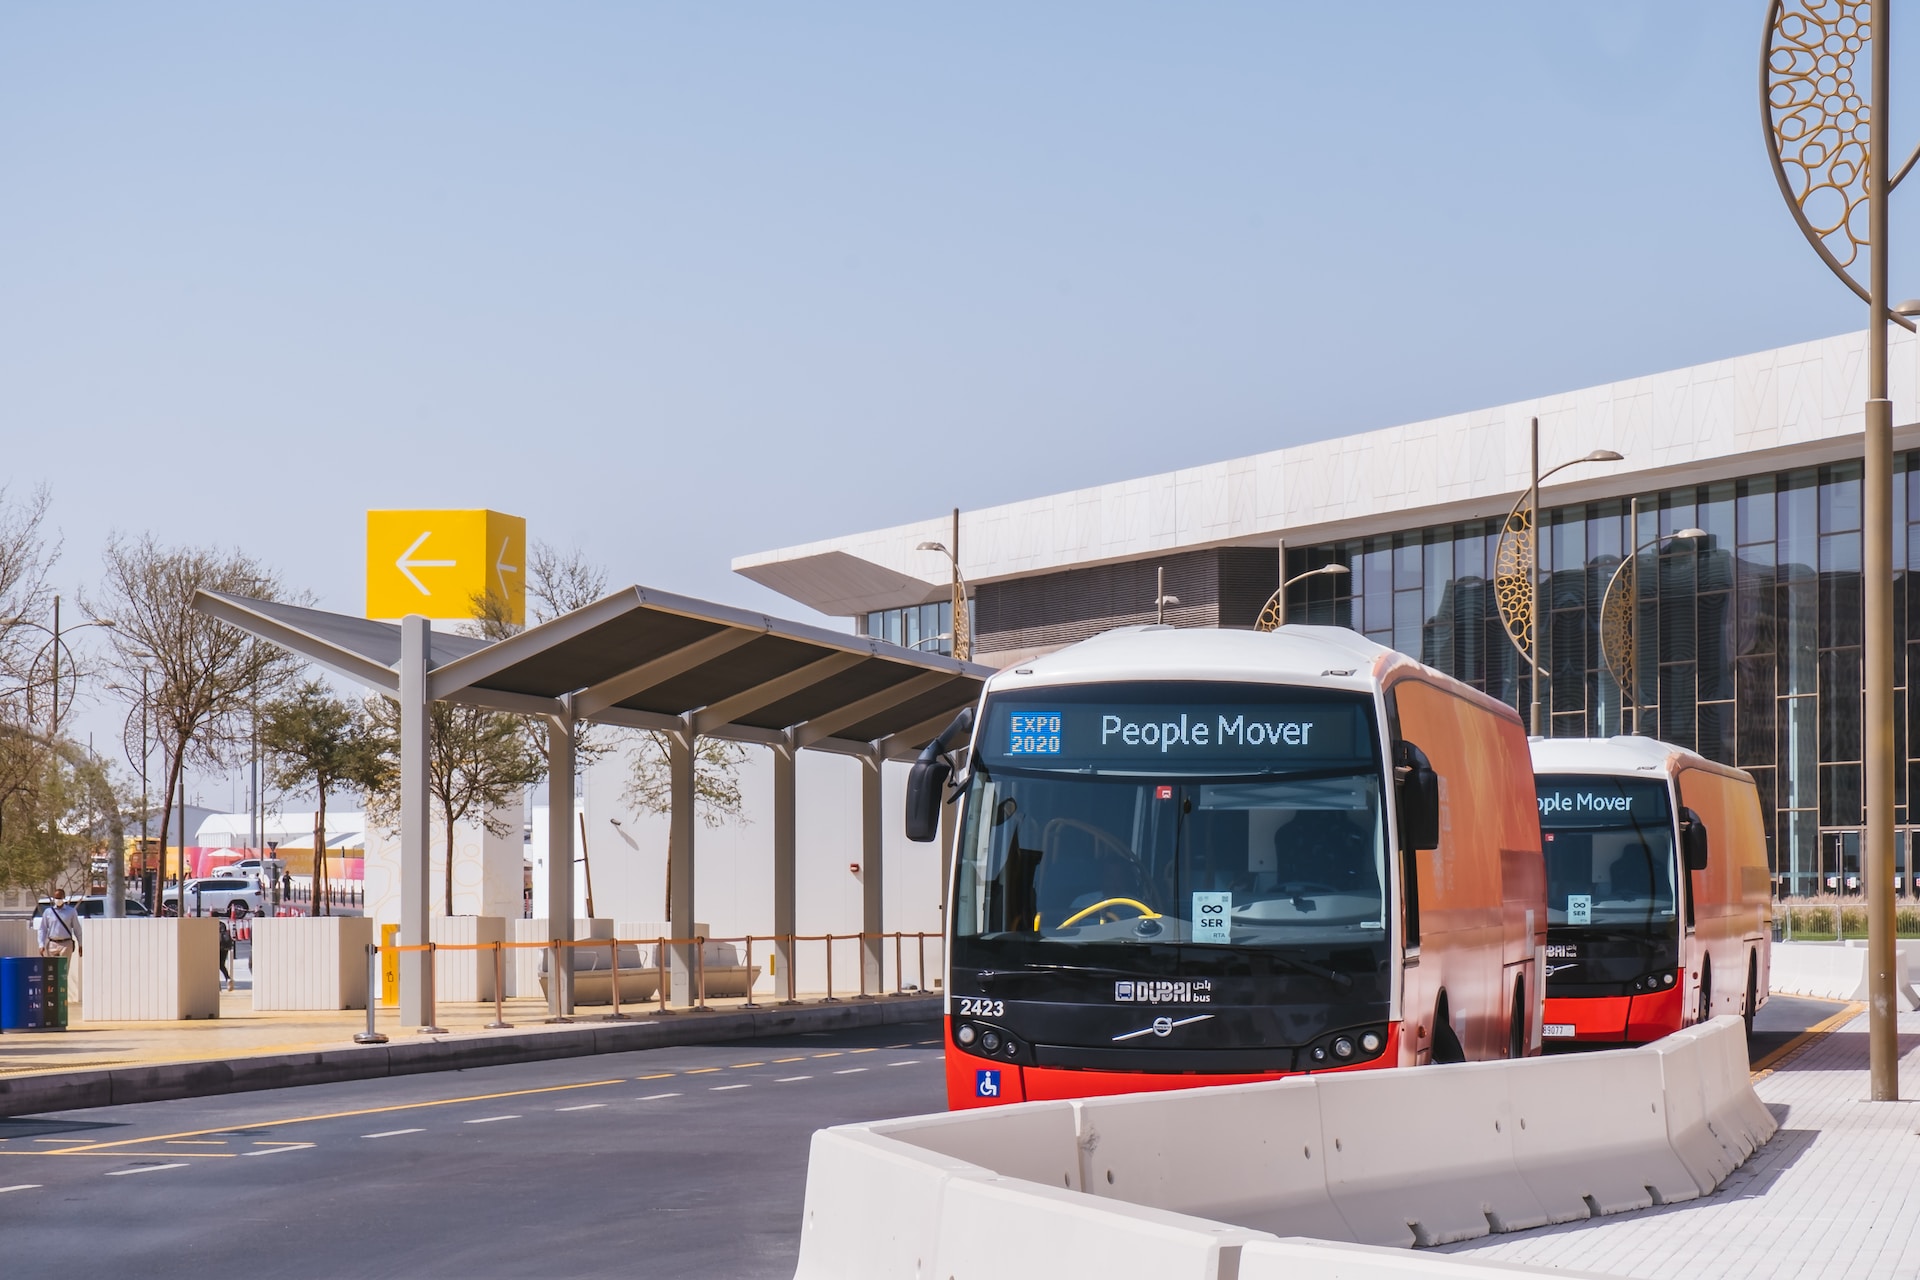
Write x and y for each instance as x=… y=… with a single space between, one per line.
x=1560 y=1030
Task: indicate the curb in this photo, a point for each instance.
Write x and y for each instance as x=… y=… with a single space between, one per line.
x=119 y=1086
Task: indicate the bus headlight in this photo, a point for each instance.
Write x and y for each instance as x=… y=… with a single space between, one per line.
x=1370 y=1042
x=1343 y=1048
x=990 y=1041
x=965 y=1034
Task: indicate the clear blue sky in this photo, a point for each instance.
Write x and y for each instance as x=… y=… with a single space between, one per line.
x=680 y=282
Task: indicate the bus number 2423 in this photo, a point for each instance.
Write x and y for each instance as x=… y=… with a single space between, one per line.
x=970 y=1007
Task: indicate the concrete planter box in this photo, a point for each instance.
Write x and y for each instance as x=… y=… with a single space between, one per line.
x=151 y=970
x=465 y=976
x=311 y=962
x=523 y=963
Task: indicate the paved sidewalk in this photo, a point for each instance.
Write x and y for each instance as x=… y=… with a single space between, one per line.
x=1836 y=1193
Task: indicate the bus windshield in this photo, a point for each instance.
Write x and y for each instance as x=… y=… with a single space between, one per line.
x=1609 y=849
x=1227 y=815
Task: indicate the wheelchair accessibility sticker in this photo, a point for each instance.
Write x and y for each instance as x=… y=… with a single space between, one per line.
x=987 y=1084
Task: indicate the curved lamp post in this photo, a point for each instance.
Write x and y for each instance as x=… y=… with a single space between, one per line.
x=1516 y=567
x=962 y=633
x=1619 y=618
x=1827 y=144
x=55 y=644
x=1273 y=614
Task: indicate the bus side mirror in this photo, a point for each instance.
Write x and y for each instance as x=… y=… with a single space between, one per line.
x=927 y=781
x=926 y=787
x=1419 y=788
x=1693 y=839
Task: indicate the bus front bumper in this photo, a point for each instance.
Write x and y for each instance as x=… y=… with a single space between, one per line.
x=974 y=1081
x=1614 y=1019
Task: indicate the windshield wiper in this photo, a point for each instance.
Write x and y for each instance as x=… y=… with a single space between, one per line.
x=1334 y=976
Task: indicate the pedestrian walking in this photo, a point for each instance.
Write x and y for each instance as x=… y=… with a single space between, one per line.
x=57 y=928
x=227 y=947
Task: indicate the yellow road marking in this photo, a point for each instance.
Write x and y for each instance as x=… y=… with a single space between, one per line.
x=1765 y=1066
x=834 y=1054
x=169 y=1155
x=740 y=1066
x=197 y=1142
x=801 y=1058
x=874 y=1050
x=90 y=1147
x=701 y=1071
x=658 y=1075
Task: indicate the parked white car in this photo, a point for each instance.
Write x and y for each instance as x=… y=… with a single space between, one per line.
x=219 y=896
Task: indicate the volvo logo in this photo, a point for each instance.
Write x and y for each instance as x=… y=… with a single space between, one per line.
x=1162 y=1027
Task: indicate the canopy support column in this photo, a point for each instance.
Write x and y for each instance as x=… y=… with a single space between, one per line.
x=560 y=765
x=872 y=882
x=416 y=642
x=784 y=864
x=680 y=766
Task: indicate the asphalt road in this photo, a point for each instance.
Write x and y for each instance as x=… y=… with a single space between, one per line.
x=669 y=1162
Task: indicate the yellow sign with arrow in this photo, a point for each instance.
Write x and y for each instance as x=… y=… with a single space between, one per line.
x=446 y=564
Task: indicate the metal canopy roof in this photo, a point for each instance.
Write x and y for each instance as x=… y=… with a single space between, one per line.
x=649 y=659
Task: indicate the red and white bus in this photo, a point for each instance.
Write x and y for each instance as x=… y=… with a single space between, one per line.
x=1192 y=857
x=1659 y=910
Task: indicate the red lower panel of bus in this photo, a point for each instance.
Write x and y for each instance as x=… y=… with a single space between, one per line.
x=1617 y=1019
x=981 y=1082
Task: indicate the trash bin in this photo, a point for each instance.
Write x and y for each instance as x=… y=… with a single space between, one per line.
x=54 y=994
x=23 y=993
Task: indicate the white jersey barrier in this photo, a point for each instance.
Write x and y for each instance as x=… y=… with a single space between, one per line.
x=1197 y=1184
x=1833 y=971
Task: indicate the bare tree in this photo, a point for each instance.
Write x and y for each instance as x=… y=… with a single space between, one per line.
x=314 y=738
x=716 y=778
x=205 y=674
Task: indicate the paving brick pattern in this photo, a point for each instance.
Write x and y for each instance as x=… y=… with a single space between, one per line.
x=1836 y=1193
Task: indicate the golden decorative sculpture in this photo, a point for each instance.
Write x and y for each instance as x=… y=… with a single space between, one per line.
x=1513 y=573
x=1270 y=612
x=1616 y=625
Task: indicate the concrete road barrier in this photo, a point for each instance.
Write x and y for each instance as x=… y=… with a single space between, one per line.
x=1264 y=1165
x=1833 y=971
x=1203 y=1183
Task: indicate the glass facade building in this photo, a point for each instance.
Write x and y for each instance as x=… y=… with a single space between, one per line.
x=1748 y=640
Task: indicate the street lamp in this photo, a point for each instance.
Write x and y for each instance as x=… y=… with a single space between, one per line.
x=1160 y=597
x=1516 y=567
x=962 y=625
x=1273 y=614
x=55 y=644
x=1620 y=614
x=1827 y=142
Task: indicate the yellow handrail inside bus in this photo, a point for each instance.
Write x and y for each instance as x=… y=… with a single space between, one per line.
x=1146 y=912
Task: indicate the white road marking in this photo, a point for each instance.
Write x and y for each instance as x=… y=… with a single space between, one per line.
x=585 y=1106
x=25 y=1186
x=491 y=1119
x=722 y=1087
x=791 y=1079
x=910 y=1062
x=655 y=1097
x=145 y=1168
x=277 y=1148
x=391 y=1133
x=849 y=1071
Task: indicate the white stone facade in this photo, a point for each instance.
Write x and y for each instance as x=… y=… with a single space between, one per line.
x=1790 y=406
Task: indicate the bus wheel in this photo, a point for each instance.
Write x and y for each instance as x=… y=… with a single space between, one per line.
x=1446 y=1045
x=1517 y=1025
x=1753 y=992
x=1706 y=991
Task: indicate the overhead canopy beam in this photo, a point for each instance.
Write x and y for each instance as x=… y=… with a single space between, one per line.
x=495 y=658
x=589 y=703
x=748 y=701
x=830 y=723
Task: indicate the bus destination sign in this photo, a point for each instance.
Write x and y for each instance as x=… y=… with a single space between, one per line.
x=1160 y=735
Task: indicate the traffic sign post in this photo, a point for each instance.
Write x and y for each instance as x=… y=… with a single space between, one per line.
x=439 y=563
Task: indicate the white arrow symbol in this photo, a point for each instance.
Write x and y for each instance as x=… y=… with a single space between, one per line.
x=502 y=568
x=406 y=566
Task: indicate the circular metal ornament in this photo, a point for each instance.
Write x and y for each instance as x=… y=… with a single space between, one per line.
x=1513 y=572
x=1616 y=627
x=1269 y=619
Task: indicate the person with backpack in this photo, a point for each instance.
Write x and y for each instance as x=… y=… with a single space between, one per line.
x=227 y=947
